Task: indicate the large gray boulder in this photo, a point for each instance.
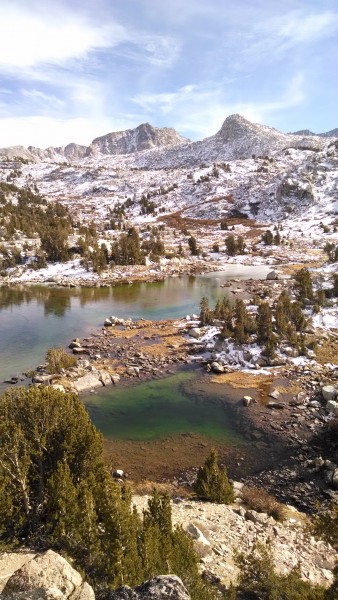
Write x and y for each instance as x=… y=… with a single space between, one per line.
x=217 y=367
x=332 y=407
x=87 y=382
x=329 y=392
x=164 y=587
x=195 y=332
x=105 y=377
x=47 y=577
x=272 y=275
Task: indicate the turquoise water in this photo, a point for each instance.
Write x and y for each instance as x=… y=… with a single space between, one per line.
x=158 y=409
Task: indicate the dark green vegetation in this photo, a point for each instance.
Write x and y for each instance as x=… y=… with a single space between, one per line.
x=56 y=492
x=212 y=482
x=34 y=217
x=49 y=224
x=259 y=581
x=58 y=359
x=235 y=245
x=275 y=323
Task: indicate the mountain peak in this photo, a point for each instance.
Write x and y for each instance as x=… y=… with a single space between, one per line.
x=235 y=127
x=143 y=137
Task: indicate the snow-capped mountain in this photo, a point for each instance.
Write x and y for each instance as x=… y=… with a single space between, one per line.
x=144 y=137
x=332 y=133
x=244 y=169
x=154 y=147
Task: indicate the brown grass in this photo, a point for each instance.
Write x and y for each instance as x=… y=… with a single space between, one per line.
x=177 y=221
x=292 y=269
x=260 y=501
x=243 y=380
x=328 y=352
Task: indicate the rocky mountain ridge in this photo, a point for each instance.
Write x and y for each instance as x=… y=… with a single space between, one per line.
x=332 y=133
x=150 y=146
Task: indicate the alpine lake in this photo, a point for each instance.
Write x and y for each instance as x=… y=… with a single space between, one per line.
x=139 y=418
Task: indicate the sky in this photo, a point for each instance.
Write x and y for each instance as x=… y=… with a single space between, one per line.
x=74 y=70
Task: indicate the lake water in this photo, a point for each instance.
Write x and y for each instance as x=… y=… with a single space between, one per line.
x=161 y=408
x=35 y=318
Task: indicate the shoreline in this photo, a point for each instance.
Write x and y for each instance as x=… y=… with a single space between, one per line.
x=147 y=350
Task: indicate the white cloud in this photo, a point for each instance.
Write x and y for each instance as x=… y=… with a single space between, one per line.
x=43 y=131
x=279 y=36
x=28 y=39
x=201 y=110
x=39 y=97
x=298 y=28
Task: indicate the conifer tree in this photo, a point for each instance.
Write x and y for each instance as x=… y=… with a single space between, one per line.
x=217 y=310
x=304 y=285
x=297 y=316
x=205 y=312
x=282 y=312
x=193 y=246
x=267 y=237
x=56 y=492
x=241 y=326
x=230 y=243
x=264 y=322
x=212 y=482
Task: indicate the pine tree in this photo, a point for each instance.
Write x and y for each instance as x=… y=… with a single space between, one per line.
x=230 y=244
x=193 y=246
x=277 y=238
x=267 y=237
x=205 y=312
x=298 y=317
x=212 y=482
x=241 y=326
x=264 y=322
x=282 y=312
x=304 y=285
x=44 y=435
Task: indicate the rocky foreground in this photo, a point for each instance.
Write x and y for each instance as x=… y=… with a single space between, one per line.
x=217 y=530
x=50 y=576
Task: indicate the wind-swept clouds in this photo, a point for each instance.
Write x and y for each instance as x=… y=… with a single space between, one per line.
x=31 y=39
x=201 y=109
x=298 y=27
x=78 y=66
x=282 y=36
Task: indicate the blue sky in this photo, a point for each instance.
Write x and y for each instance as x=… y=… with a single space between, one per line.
x=73 y=70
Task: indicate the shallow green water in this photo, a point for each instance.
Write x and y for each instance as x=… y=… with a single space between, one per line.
x=159 y=409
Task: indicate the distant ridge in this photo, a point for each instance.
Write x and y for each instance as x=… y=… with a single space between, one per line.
x=332 y=133
x=161 y=147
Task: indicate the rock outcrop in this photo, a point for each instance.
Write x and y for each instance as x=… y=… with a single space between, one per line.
x=230 y=528
x=143 y=137
x=47 y=576
x=164 y=587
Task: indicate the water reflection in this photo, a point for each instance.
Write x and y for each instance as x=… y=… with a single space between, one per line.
x=35 y=318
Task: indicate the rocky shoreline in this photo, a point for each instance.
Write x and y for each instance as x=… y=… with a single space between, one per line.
x=284 y=406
